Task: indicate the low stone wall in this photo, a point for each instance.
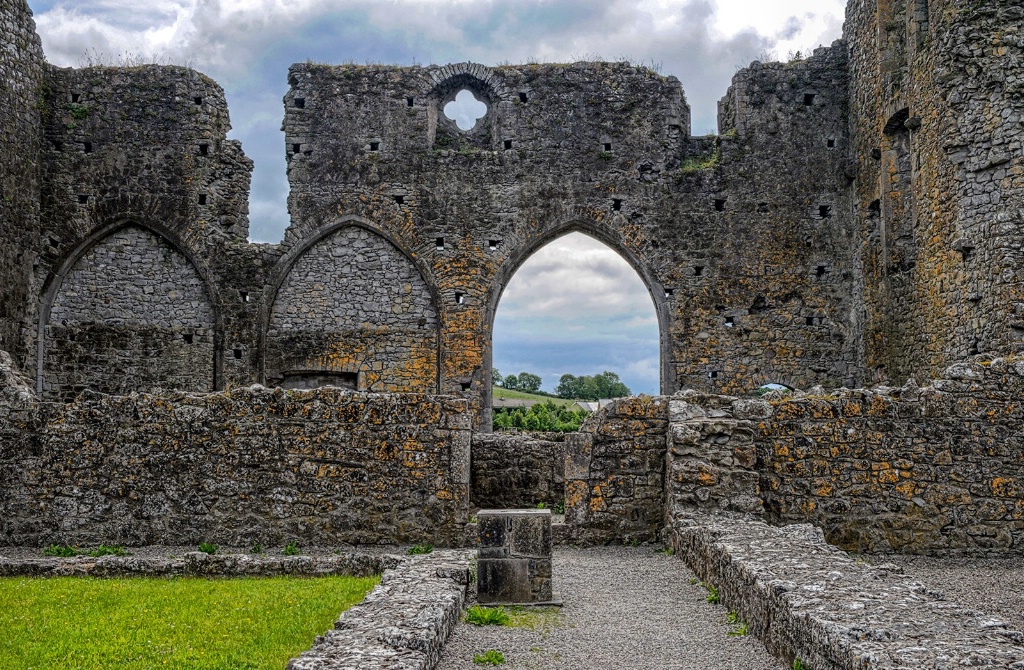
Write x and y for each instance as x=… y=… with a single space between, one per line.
x=402 y=624
x=234 y=468
x=198 y=564
x=517 y=470
x=806 y=599
x=615 y=473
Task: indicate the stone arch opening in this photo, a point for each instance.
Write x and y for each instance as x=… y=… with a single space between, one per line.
x=635 y=267
x=129 y=310
x=450 y=132
x=351 y=308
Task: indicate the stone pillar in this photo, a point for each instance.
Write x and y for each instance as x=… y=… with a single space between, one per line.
x=514 y=564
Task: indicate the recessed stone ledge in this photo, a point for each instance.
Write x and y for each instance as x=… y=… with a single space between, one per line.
x=807 y=599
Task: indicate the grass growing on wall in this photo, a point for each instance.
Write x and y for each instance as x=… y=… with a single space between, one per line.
x=243 y=624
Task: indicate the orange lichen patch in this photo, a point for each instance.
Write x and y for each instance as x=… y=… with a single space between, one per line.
x=1005 y=487
x=888 y=476
x=823 y=488
x=575 y=492
x=906 y=489
x=597 y=499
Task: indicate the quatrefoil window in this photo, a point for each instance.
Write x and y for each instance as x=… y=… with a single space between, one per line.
x=465 y=110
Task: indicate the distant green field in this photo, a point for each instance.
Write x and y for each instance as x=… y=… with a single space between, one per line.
x=519 y=395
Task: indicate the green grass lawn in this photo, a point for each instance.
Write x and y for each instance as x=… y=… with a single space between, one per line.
x=499 y=392
x=241 y=624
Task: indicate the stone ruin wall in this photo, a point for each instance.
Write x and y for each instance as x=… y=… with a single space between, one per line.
x=937 y=109
x=931 y=470
x=21 y=84
x=251 y=465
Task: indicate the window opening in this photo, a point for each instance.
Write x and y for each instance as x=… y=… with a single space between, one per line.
x=465 y=110
x=300 y=103
x=720 y=205
x=202 y=198
x=439 y=243
x=809 y=99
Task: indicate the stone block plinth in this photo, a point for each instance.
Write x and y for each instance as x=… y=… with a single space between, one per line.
x=514 y=559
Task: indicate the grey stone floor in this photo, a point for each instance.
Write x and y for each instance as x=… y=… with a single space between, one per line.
x=624 y=608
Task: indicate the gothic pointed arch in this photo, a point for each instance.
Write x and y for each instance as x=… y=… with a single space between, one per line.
x=129 y=310
x=350 y=308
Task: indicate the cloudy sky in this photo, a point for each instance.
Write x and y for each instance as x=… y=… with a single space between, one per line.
x=603 y=317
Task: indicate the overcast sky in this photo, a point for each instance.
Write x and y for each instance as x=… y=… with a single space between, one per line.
x=247 y=46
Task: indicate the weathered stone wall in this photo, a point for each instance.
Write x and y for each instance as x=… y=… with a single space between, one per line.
x=21 y=88
x=752 y=280
x=252 y=465
x=615 y=473
x=937 y=469
x=132 y=313
x=517 y=470
x=936 y=115
x=353 y=303
x=145 y=146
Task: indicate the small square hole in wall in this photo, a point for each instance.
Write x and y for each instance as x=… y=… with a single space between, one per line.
x=875 y=208
x=76 y=97
x=508 y=144
x=189 y=338
x=204 y=149
x=608 y=146
x=296 y=148
x=809 y=99
x=669 y=292
x=825 y=211
x=460 y=298
x=399 y=199
x=237 y=353
x=730 y=321
x=197 y=100
x=54 y=244
x=409 y=102
x=713 y=374
x=830 y=143
x=439 y=243
x=720 y=205
x=876 y=153
x=244 y=296
x=809 y=321
x=493 y=244
x=82 y=199
x=374 y=146
x=523 y=97
x=87 y=147
x=617 y=204
x=820 y=271
x=698 y=270
x=202 y=198
x=300 y=103
x=466 y=385
x=762 y=208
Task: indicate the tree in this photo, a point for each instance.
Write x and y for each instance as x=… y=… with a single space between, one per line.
x=495 y=377
x=528 y=382
x=604 y=385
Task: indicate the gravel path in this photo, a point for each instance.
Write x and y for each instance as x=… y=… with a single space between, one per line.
x=624 y=608
x=992 y=585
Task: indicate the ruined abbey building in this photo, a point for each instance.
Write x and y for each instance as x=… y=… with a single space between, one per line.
x=859 y=220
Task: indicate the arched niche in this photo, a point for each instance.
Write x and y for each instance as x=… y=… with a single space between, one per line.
x=128 y=311
x=511 y=266
x=351 y=309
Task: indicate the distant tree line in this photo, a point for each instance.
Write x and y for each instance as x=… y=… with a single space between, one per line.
x=524 y=381
x=603 y=385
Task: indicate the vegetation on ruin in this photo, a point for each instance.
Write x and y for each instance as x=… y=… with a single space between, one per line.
x=64 y=550
x=135 y=624
x=545 y=416
x=695 y=164
x=487 y=616
x=489 y=657
x=713 y=596
x=291 y=549
x=208 y=548
x=417 y=549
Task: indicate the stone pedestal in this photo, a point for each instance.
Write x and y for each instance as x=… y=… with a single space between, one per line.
x=514 y=560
